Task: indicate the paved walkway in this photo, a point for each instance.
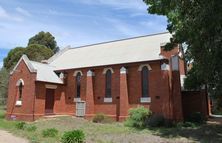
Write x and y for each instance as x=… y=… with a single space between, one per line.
x=6 y=137
x=215 y=119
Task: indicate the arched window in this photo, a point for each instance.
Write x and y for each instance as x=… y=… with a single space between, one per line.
x=108 y=83
x=20 y=85
x=20 y=90
x=145 y=81
x=78 y=84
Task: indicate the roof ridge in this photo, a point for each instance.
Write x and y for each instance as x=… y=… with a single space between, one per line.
x=124 y=39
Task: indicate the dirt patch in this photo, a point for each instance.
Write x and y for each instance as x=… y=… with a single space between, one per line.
x=6 y=137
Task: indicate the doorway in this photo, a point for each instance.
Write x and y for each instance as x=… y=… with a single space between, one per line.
x=49 y=101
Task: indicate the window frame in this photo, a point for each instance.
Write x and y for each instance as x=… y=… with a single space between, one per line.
x=78 y=84
x=108 y=84
x=145 y=82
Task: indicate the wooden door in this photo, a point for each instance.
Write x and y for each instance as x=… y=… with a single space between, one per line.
x=49 y=101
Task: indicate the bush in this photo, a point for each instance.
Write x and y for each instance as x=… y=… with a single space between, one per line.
x=98 y=118
x=20 y=125
x=31 y=128
x=156 y=120
x=185 y=125
x=196 y=117
x=75 y=136
x=138 y=117
x=101 y=118
x=51 y=132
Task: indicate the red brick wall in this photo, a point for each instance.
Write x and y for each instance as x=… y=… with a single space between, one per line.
x=25 y=111
x=159 y=91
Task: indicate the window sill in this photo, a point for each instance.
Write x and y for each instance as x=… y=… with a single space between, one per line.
x=108 y=99
x=77 y=99
x=145 y=99
x=18 y=103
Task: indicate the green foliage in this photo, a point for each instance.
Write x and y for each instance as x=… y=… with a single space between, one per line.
x=20 y=125
x=4 y=76
x=31 y=128
x=51 y=132
x=156 y=120
x=185 y=125
x=101 y=118
x=196 y=117
x=13 y=56
x=138 y=117
x=38 y=53
x=75 y=136
x=190 y=23
x=45 y=39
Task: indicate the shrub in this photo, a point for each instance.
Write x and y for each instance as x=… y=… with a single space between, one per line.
x=51 y=132
x=185 y=125
x=98 y=118
x=138 y=117
x=196 y=117
x=156 y=120
x=31 y=128
x=101 y=118
x=20 y=125
x=75 y=136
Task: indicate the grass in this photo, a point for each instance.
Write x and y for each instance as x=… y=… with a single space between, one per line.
x=112 y=132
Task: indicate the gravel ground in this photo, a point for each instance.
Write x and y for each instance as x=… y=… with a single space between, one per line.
x=6 y=137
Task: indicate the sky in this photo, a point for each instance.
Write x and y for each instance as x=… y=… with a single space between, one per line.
x=74 y=22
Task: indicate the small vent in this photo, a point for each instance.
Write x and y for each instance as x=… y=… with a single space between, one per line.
x=80 y=108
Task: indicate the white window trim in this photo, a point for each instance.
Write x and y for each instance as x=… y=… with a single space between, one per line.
x=144 y=65
x=77 y=99
x=108 y=99
x=18 y=103
x=76 y=72
x=145 y=99
x=106 y=69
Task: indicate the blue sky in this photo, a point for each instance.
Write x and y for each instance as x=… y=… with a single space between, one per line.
x=74 y=22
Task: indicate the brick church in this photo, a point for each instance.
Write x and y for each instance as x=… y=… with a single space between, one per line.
x=109 y=78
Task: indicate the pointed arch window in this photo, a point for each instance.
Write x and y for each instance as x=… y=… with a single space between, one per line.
x=108 y=83
x=145 y=81
x=78 y=84
x=20 y=87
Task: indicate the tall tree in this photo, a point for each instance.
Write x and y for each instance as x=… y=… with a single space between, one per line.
x=38 y=52
x=46 y=39
x=13 y=56
x=197 y=24
x=4 y=75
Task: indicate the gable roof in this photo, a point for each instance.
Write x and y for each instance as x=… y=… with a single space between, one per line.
x=44 y=72
x=144 y=48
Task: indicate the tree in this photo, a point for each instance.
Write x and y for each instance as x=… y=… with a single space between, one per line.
x=46 y=39
x=38 y=52
x=4 y=75
x=196 y=24
x=12 y=58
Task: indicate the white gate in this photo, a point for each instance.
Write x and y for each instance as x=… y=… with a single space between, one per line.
x=80 y=108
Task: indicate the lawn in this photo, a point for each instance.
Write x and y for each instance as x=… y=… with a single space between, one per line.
x=113 y=132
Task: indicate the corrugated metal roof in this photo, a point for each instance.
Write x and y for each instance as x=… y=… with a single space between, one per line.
x=145 y=48
x=45 y=73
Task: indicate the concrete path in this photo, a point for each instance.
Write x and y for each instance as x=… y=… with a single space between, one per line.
x=6 y=137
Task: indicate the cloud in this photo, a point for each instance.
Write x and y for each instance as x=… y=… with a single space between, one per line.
x=4 y=15
x=119 y=4
x=123 y=28
x=23 y=11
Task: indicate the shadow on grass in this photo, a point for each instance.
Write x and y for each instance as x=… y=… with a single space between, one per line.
x=206 y=133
